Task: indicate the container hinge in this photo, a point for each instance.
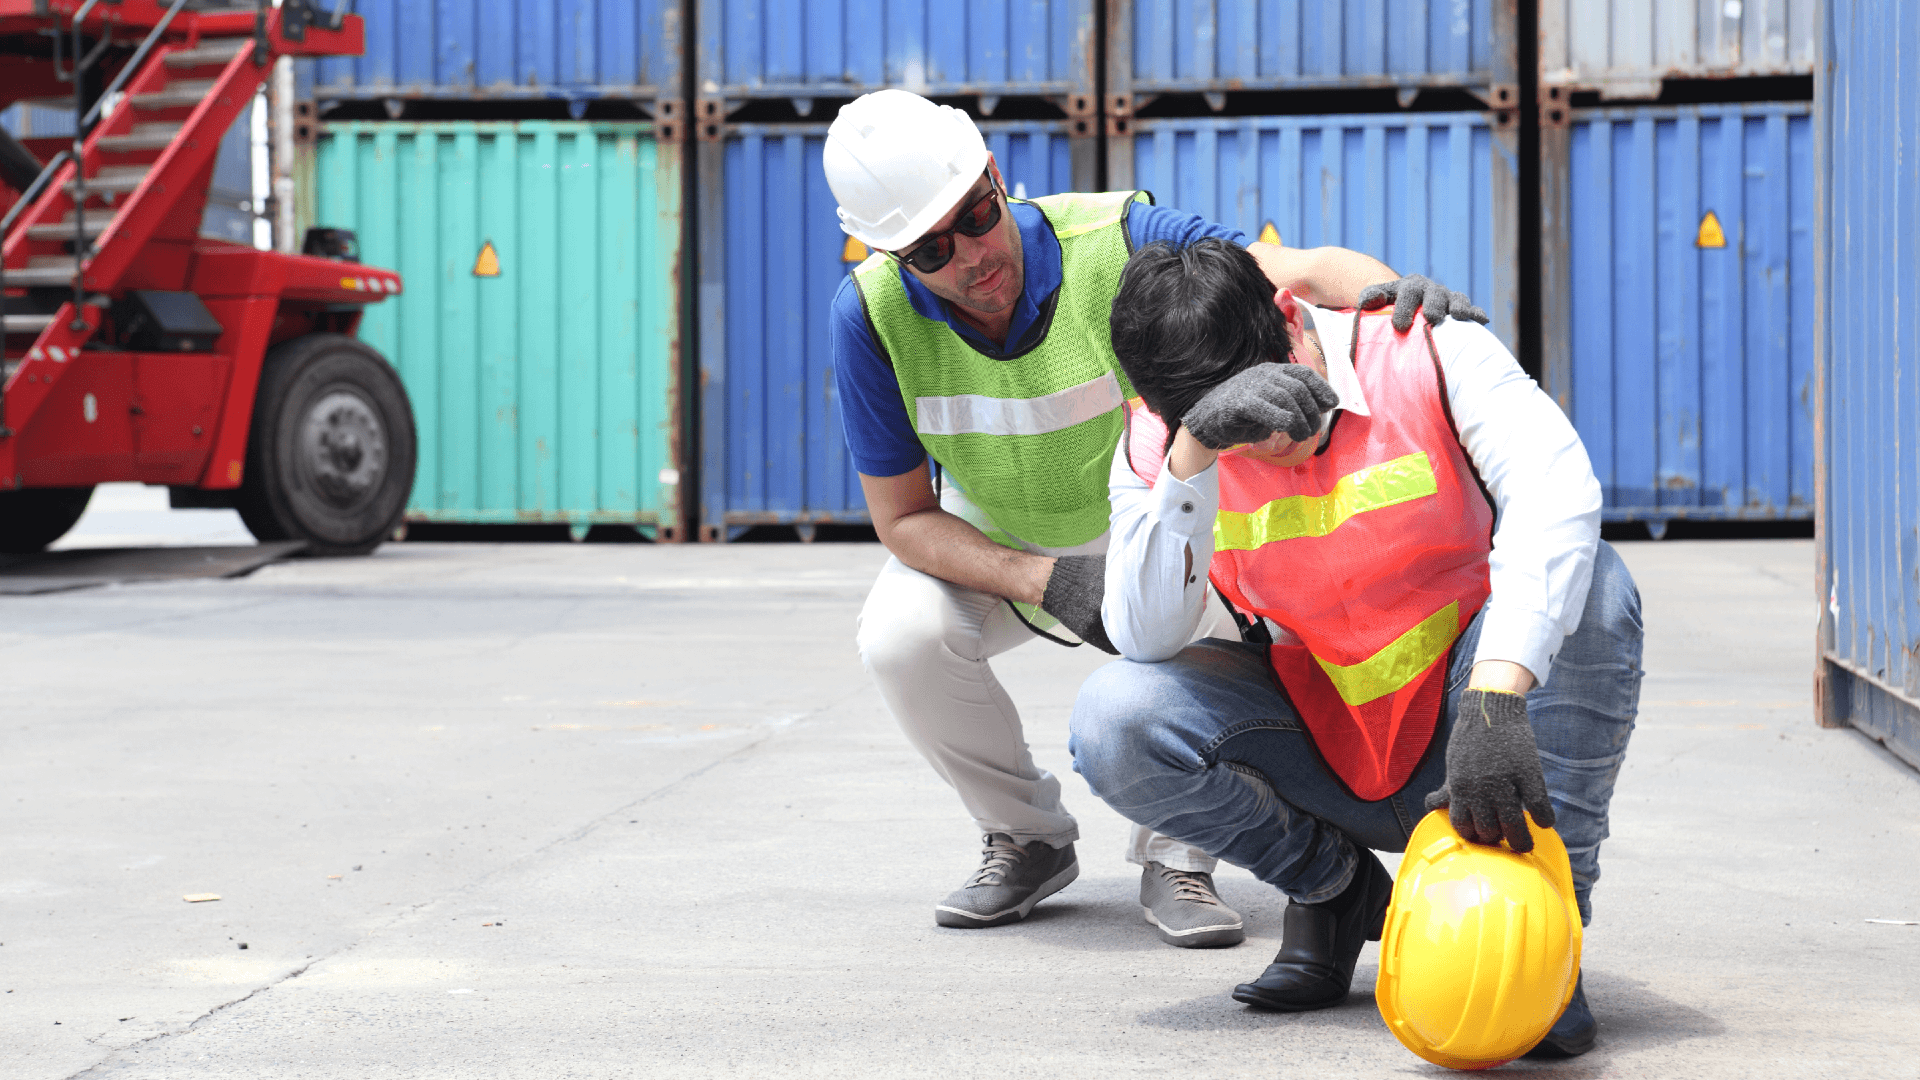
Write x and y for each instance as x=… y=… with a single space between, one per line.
x=1555 y=106
x=710 y=119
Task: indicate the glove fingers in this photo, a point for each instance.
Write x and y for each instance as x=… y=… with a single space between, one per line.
x=1324 y=396
x=1464 y=309
x=1485 y=823
x=1437 y=313
x=1374 y=297
x=1303 y=417
x=1438 y=799
x=1533 y=794
x=1412 y=295
x=1462 y=818
x=1513 y=825
x=1269 y=416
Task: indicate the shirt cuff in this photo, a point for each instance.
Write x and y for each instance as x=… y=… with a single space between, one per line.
x=1528 y=638
x=1187 y=507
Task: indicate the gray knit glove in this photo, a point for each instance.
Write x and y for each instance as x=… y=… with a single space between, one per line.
x=1493 y=772
x=1074 y=592
x=1262 y=400
x=1414 y=292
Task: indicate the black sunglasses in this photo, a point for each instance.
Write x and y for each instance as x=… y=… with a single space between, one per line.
x=936 y=251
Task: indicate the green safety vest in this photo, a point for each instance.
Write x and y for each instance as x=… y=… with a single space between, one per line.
x=1030 y=438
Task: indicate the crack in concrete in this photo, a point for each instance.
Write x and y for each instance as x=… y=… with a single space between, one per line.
x=412 y=910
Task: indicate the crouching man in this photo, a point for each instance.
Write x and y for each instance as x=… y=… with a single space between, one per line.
x=1410 y=529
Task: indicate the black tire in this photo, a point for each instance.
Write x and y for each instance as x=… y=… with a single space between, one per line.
x=35 y=517
x=331 y=455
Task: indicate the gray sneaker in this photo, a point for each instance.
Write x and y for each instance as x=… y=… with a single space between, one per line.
x=1011 y=879
x=1186 y=910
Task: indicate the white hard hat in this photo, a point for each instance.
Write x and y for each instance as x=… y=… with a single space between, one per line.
x=897 y=163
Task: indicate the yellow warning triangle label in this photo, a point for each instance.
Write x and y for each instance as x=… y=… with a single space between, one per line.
x=487 y=264
x=854 y=251
x=1711 y=234
x=1270 y=235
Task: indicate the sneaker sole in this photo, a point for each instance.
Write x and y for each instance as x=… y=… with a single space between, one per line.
x=957 y=919
x=1198 y=937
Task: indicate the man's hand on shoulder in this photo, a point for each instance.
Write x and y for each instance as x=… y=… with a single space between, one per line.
x=1416 y=293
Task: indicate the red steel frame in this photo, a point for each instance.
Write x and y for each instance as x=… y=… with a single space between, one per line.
x=75 y=415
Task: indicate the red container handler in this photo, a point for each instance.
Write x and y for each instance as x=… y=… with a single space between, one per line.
x=137 y=350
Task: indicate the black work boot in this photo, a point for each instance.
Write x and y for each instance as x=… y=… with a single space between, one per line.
x=1321 y=943
x=1572 y=1034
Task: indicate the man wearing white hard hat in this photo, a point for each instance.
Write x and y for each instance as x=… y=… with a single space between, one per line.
x=976 y=336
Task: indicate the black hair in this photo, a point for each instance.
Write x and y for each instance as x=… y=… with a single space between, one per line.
x=1187 y=319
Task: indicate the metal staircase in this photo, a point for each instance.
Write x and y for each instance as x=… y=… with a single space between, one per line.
x=121 y=210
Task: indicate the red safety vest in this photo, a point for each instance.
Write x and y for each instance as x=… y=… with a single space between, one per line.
x=1371 y=557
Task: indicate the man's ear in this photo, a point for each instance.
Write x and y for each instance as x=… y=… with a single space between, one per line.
x=1289 y=307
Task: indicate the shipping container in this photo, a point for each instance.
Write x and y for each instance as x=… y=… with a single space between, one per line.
x=1163 y=46
x=539 y=333
x=804 y=49
x=1425 y=193
x=575 y=50
x=771 y=257
x=1868 y=383
x=1625 y=48
x=1679 y=332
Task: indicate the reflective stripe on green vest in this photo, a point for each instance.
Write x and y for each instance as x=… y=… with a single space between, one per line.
x=1029 y=439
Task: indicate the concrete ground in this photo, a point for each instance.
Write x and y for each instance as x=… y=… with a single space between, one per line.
x=613 y=811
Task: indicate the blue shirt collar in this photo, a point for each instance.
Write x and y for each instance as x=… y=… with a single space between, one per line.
x=1040 y=251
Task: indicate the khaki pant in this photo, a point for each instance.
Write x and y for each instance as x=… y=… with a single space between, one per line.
x=927 y=643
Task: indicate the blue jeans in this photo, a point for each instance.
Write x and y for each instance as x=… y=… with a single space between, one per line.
x=1206 y=749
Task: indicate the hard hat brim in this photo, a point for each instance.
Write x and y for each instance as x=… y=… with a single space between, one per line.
x=923 y=222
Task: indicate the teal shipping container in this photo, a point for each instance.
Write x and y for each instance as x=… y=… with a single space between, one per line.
x=539 y=330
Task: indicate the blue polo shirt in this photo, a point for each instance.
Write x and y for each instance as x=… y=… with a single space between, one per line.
x=880 y=438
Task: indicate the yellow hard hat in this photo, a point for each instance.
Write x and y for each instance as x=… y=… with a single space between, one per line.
x=1481 y=949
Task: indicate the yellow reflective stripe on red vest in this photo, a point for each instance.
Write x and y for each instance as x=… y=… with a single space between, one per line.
x=1399 y=663
x=1401 y=480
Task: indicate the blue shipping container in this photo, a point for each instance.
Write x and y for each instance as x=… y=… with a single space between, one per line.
x=842 y=48
x=573 y=49
x=771 y=257
x=1690 y=254
x=1414 y=190
x=1869 y=382
x=1157 y=46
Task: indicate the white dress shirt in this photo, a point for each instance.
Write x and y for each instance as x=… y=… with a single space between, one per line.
x=1546 y=497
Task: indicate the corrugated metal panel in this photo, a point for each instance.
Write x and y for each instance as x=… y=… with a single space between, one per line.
x=574 y=49
x=1623 y=48
x=809 y=48
x=1870 y=383
x=1154 y=46
x=771 y=258
x=548 y=391
x=1414 y=190
x=1690 y=364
